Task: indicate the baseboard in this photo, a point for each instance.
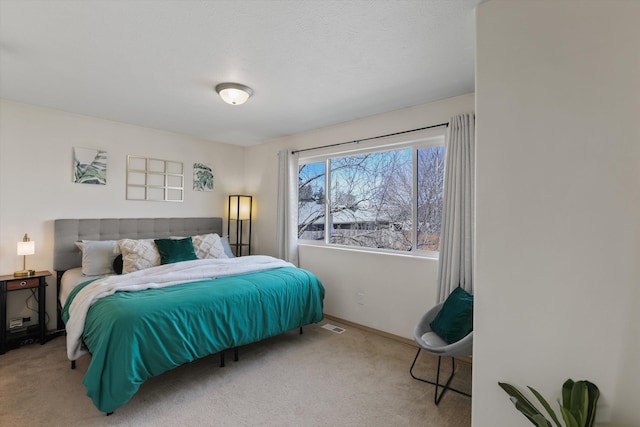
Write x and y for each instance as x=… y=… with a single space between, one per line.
x=373 y=330
x=412 y=343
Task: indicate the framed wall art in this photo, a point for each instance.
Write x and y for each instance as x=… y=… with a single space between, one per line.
x=202 y=177
x=154 y=179
x=89 y=166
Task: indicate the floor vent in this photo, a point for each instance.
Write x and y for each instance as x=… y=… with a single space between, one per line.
x=334 y=328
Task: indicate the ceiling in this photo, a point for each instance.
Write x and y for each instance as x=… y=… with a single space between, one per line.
x=311 y=64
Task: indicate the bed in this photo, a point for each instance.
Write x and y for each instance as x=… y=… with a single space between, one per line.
x=143 y=323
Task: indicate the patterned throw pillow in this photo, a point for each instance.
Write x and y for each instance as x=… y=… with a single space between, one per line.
x=138 y=254
x=208 y=246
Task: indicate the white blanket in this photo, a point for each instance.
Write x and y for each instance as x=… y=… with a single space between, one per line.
x=156 y=277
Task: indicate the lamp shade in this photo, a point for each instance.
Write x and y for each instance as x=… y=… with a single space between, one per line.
x=240 y=207
x=234 y=93
x=26 y=248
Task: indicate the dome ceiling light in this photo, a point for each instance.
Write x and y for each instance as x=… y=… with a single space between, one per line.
x=234 y=93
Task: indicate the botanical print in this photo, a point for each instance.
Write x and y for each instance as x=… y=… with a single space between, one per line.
x=89 y=166
x=202 y=177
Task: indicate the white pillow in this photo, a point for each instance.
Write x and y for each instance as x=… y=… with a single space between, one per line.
x=97 y=256
x=138 y=254
x=227 y=247
x=208 y=246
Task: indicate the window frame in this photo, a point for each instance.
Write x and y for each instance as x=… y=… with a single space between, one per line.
x=420 y=140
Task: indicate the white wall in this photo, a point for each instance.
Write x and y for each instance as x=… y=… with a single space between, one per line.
x=36 y=180
x=558 y=206
x=36 y=144
x=397 y=288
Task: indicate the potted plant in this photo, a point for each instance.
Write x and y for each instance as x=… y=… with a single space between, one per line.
x=578 y=406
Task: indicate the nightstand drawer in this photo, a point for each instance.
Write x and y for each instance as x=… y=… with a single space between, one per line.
x=23 y=283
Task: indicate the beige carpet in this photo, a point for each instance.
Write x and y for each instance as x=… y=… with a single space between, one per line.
x=319 y=378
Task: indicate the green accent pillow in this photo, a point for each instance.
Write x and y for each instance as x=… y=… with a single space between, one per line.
x=175 y=250
x=454 y=321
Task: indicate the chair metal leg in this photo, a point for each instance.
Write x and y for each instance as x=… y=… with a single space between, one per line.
x=445 y=387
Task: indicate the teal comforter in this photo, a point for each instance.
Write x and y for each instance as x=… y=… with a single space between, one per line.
x=133 y=336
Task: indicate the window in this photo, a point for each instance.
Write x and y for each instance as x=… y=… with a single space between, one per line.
x=430 y=177
x=311 y=201
x=386 y=198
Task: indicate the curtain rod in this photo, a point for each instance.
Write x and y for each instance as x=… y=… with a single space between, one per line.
x=355 y=141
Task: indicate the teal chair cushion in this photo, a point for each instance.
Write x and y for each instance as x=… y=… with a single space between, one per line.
x=454 y=321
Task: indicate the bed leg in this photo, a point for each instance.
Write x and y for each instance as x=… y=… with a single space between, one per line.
x=109 y=413
x=301 y=332
x=222 y=359
x=73 y=364
x=235 y=354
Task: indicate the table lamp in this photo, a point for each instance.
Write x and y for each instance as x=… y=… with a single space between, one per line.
x=26 y=247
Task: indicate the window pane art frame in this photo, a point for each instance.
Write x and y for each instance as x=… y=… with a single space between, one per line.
x=89 y=166
x=154 y=179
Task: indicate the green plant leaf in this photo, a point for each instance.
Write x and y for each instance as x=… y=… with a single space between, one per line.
x=546 y=406
x=523 y=405
x=585 y=407
x=540 y=421
x=532 y=415
x=578 y=406
x=566 y=393
x=594 y=394
x=569 y=419
x=579 y=402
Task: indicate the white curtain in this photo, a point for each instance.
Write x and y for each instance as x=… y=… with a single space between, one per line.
x=455 y=266
x=287 y=211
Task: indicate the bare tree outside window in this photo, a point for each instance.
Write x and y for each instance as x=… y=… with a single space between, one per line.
x=368 y=202
x=371 y=201
x=430 y=192
x=311 y=201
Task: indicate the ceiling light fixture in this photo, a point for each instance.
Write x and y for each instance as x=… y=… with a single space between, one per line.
x=234 y=93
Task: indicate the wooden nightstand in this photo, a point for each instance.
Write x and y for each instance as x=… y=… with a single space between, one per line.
x=38 y=331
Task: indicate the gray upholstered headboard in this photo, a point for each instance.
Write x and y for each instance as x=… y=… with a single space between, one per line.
x=66 y=254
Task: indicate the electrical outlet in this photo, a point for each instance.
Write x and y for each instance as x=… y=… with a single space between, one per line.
x=15 y=323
